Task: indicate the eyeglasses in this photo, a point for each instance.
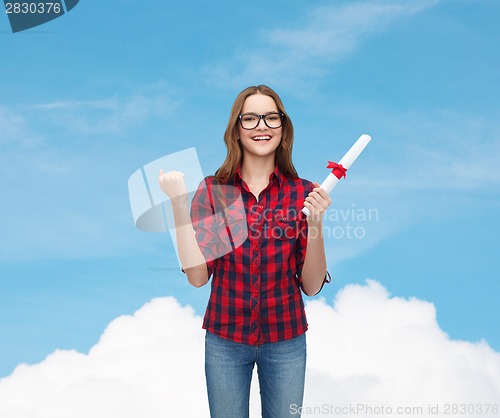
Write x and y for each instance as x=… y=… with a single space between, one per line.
x=272 y=120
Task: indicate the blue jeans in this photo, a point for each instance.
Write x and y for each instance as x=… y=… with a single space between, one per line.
x=281 y=369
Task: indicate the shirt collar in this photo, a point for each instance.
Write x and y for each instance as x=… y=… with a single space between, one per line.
x=276 y=173
x=279 y=175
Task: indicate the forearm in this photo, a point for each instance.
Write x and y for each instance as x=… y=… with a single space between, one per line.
x=190 y=255
x=314 y=267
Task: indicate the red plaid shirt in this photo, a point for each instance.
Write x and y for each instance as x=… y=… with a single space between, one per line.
x=255 y=251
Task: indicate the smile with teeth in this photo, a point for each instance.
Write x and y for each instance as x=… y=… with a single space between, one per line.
x=262 y=138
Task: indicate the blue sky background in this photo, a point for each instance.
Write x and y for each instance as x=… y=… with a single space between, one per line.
x=89 y=98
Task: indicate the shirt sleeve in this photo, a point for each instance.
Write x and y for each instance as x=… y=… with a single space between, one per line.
x=300 y=247
x=203 y=220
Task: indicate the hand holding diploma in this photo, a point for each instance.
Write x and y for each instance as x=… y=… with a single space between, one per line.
x=339 y=170
x=316 y=203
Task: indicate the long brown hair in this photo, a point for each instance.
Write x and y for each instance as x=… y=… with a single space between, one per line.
x=234 y=155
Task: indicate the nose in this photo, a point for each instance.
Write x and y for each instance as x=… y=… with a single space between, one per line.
x=261 y=124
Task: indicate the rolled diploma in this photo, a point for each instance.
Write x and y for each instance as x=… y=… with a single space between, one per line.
x=346 y=162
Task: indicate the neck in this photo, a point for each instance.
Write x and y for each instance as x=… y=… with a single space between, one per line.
x=257 y=170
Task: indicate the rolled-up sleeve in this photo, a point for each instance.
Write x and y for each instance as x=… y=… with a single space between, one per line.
x=204 y=224
x=300 y=248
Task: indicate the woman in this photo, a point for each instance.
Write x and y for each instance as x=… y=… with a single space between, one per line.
x=255 y=314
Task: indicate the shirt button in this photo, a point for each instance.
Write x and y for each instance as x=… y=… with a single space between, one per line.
x=260 y=208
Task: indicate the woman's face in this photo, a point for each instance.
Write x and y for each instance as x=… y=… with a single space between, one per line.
x=261 y=140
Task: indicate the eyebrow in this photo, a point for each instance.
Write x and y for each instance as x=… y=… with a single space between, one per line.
x=258 y=113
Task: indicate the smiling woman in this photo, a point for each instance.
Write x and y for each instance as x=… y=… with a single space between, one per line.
x=258 y=113
x=71 y=259
x=255 y=314
x=254 y=104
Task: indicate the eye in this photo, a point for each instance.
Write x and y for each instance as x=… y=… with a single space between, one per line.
x=249 y=118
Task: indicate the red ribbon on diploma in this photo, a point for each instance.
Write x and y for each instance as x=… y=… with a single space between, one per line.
x=337 y=169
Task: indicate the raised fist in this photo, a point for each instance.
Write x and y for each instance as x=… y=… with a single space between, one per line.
x=172 y=184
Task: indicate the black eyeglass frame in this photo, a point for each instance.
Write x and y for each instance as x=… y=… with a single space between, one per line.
x=281 y=115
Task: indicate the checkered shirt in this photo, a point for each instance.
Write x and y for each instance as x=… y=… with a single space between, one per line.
x=255 y=251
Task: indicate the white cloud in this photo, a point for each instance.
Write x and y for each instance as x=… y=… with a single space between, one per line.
x=368 y=349
x=14 y=129
x=146 y=365
x=327 y=35
x=333 y=31
x=438 y=165
x=110 y=115
x=449 y=149
x=373 y=349
x=73 y=158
